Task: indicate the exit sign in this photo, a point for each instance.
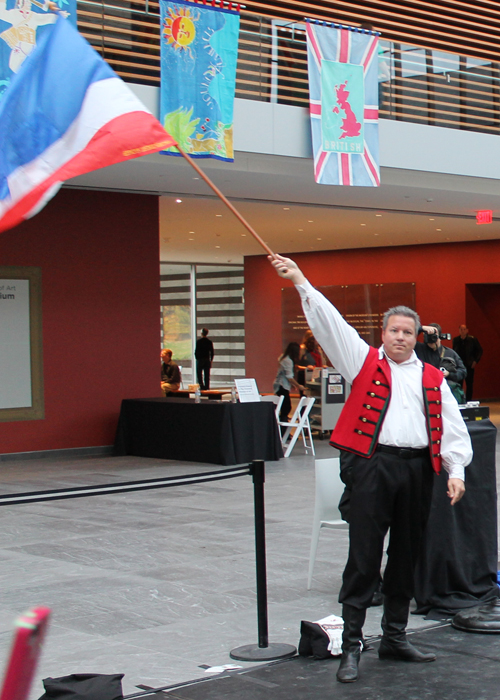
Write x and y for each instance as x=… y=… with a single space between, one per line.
x=484 y=217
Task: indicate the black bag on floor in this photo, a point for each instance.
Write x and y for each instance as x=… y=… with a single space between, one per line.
x=84 y=686
x=317 y=637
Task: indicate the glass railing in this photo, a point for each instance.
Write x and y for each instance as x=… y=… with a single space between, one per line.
x=415 y=84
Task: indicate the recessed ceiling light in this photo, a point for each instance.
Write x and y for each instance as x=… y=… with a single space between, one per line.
x=431 y=219
x=217 y=246
x=190 y=239
x=318 y=239
x=191 y=232
x=310 y=221
x=362 y=224
x=286 y=208
x=243 y=235
x=196 y=178
x=301 y=229
x=218 y=215
x=178 y=201
x=439 y=229
x=378 y=214
x=375 y=234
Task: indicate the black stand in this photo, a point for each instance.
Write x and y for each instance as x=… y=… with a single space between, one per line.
x=263 y=651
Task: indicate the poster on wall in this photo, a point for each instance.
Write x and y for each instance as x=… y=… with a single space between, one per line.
x=362 y=305
x=15 y=350
x=22 y=23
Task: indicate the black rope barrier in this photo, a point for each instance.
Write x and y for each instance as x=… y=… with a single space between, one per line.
x=120 y=487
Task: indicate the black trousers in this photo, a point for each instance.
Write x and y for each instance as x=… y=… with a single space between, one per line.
x=203 y=373
x=387 y=493
x=469 y=383
x=286 y=406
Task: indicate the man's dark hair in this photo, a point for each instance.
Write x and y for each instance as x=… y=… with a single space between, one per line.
x=204 y=331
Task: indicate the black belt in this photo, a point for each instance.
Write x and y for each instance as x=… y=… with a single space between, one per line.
x=403 y=452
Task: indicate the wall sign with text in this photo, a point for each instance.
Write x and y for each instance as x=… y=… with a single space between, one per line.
x=21 y=379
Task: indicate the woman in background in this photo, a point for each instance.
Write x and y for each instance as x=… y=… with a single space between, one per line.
x=285 y=378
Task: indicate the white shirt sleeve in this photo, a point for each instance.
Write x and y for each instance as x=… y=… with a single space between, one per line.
x=340 y=341
x=456 y=447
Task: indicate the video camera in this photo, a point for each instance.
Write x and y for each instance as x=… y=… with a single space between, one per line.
x=433 y=337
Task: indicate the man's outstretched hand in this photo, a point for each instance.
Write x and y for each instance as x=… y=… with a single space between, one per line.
x=287 y=268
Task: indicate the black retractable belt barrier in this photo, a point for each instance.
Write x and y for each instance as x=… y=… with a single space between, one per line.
x=263 y=651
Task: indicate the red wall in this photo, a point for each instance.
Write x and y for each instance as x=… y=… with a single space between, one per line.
x=98 y=253
x=441 y=273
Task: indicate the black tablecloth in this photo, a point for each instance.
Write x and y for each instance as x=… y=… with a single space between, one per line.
x=211 y=431
x=458 y=566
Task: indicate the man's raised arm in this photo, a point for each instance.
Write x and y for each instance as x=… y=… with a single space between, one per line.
x=340 y=341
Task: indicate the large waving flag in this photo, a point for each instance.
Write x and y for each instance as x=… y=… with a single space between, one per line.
x=64 y=114
x=343 y=94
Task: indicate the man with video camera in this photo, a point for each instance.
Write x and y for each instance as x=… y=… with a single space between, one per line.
x=445 y=359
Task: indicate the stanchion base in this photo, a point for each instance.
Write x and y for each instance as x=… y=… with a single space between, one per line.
x=252 y=652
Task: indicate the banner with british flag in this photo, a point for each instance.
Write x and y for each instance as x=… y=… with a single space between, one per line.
x=343 y=94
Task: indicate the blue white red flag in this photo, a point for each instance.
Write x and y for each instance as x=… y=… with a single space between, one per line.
x=343 y=95
x=66 y=113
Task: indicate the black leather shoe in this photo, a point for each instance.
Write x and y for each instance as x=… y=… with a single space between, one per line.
x=348 y=669
x=402 y=650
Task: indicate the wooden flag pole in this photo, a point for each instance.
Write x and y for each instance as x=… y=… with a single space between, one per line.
x=225 y=200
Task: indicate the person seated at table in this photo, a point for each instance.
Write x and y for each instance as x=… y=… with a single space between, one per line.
x=170 y=373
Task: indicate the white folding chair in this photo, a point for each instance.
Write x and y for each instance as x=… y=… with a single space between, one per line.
x=278 y=400
x=300 y=425
x=329 y=489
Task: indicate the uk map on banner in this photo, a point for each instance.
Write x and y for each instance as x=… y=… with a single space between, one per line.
x=343 y=93
x=199 y=51
x=22 y=24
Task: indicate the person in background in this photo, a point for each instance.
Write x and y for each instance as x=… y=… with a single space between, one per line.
x=285 y=378
x=204 y=354
x=309 y=356
x=170 y=373
x=470 y=351
x=445 y=359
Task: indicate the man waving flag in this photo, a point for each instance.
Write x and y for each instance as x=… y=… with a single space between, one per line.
x=64 y=114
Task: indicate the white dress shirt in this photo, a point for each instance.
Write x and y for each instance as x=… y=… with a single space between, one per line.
x=404 y=423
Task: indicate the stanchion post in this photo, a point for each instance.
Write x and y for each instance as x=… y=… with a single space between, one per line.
x=258 y=476
x=263 y=651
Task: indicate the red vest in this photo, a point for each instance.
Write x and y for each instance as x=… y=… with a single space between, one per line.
x=359 y=424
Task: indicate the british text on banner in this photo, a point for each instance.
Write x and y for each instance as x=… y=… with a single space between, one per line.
x=22 y=23
x=343 y=89
x=199 y=51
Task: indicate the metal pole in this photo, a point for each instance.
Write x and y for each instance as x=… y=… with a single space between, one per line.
x=263 y=651
x=258 y=476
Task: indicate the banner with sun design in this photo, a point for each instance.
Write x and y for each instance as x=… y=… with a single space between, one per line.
x=22 y=23
x=199 y=50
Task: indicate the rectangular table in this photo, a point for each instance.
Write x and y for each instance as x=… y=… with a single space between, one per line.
x=210 y=431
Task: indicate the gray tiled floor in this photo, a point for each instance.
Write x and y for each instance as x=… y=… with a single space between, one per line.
x=154 y=584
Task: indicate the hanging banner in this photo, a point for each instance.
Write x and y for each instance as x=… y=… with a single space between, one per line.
x=199 y=51
x=22 y=23
x=343 y=93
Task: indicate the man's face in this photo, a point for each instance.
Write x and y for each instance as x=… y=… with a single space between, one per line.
x=166 y=357
x=399 y=338
x=464 y=331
